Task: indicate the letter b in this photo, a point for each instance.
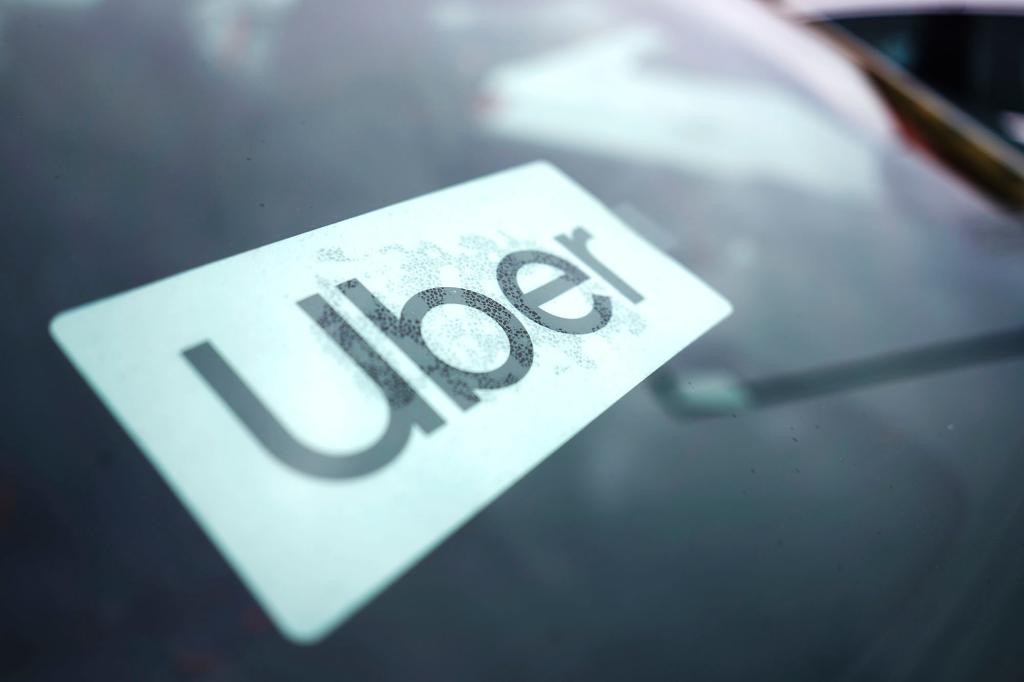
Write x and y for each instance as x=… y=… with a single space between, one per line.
x=406 y=332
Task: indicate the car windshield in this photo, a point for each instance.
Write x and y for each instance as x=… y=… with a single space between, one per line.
x=827 y=485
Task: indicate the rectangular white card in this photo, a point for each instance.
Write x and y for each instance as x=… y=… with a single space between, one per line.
x=333 y=406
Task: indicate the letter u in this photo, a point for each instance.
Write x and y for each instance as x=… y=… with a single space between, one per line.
x=406 y=407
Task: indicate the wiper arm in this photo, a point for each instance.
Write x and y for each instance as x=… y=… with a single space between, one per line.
x=723 y=393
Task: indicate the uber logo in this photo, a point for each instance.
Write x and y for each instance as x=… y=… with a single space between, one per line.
x=406 y=407
x=332 y=406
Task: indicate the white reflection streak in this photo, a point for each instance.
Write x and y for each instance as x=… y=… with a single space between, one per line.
x=597 y=97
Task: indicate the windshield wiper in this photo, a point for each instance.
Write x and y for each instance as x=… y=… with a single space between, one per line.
x=721 y=393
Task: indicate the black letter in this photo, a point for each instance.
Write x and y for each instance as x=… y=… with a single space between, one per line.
x=577 y=244
x=530 y=304
x=406 y=406
x=407 y=335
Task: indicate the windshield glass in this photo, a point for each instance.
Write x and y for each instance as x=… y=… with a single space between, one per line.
x=826 y=485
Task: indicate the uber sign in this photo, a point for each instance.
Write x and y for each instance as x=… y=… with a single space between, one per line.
x=332 y=406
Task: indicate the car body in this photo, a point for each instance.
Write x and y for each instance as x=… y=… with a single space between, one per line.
x=967 y=51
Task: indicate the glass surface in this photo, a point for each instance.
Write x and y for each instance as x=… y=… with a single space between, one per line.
x=826 y=486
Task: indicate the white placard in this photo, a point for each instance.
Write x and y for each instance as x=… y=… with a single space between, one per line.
x=332 y=406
